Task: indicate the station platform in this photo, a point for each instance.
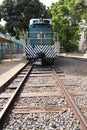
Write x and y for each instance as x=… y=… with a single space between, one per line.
x=8 y=68
x=74 y=56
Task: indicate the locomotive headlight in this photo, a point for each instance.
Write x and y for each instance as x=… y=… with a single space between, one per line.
x=38 y=36
x=53 y=46
x=44 y=36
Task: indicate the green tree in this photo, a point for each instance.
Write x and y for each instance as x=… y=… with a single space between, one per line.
x=17 y=14
x=66 y=16
x=2 y=29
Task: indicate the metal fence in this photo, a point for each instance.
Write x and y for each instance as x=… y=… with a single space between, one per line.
x=17 y=46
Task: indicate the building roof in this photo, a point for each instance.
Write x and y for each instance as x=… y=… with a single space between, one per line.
x=5 y=38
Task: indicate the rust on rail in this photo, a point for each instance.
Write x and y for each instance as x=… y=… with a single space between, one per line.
x=73 y=105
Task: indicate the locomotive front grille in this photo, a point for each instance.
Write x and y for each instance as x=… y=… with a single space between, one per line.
x=33 y=50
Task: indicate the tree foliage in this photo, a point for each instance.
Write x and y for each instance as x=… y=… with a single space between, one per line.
x=2 y=29
x=66 y=16
x=17 y=14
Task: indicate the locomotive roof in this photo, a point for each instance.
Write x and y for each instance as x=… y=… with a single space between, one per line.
x=41 y=21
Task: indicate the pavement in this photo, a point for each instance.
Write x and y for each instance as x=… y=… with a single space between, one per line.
x=74 y=55
x=8 y=68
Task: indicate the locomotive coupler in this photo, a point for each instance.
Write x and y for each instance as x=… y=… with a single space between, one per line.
x=40 y=59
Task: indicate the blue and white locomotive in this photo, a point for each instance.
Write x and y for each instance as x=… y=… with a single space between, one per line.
x=41 y=41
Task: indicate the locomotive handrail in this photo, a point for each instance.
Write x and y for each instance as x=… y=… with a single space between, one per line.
x=40 y=38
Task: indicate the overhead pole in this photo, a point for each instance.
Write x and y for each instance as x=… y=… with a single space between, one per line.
x=11 y=51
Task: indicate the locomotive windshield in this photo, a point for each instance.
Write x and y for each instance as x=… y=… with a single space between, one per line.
x=40 y=21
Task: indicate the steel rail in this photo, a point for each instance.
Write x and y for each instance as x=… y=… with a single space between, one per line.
x=9 y=80
x=77 y=112
x=6 y=108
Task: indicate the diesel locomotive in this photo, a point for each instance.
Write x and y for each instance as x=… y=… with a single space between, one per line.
x=42 y=44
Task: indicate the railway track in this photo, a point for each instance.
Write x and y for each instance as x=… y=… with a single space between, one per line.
x=13 y=88
x=43 y=103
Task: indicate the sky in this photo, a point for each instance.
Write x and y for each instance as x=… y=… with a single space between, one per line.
x=1 y=1
x=45 y=2
x=48 y=2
